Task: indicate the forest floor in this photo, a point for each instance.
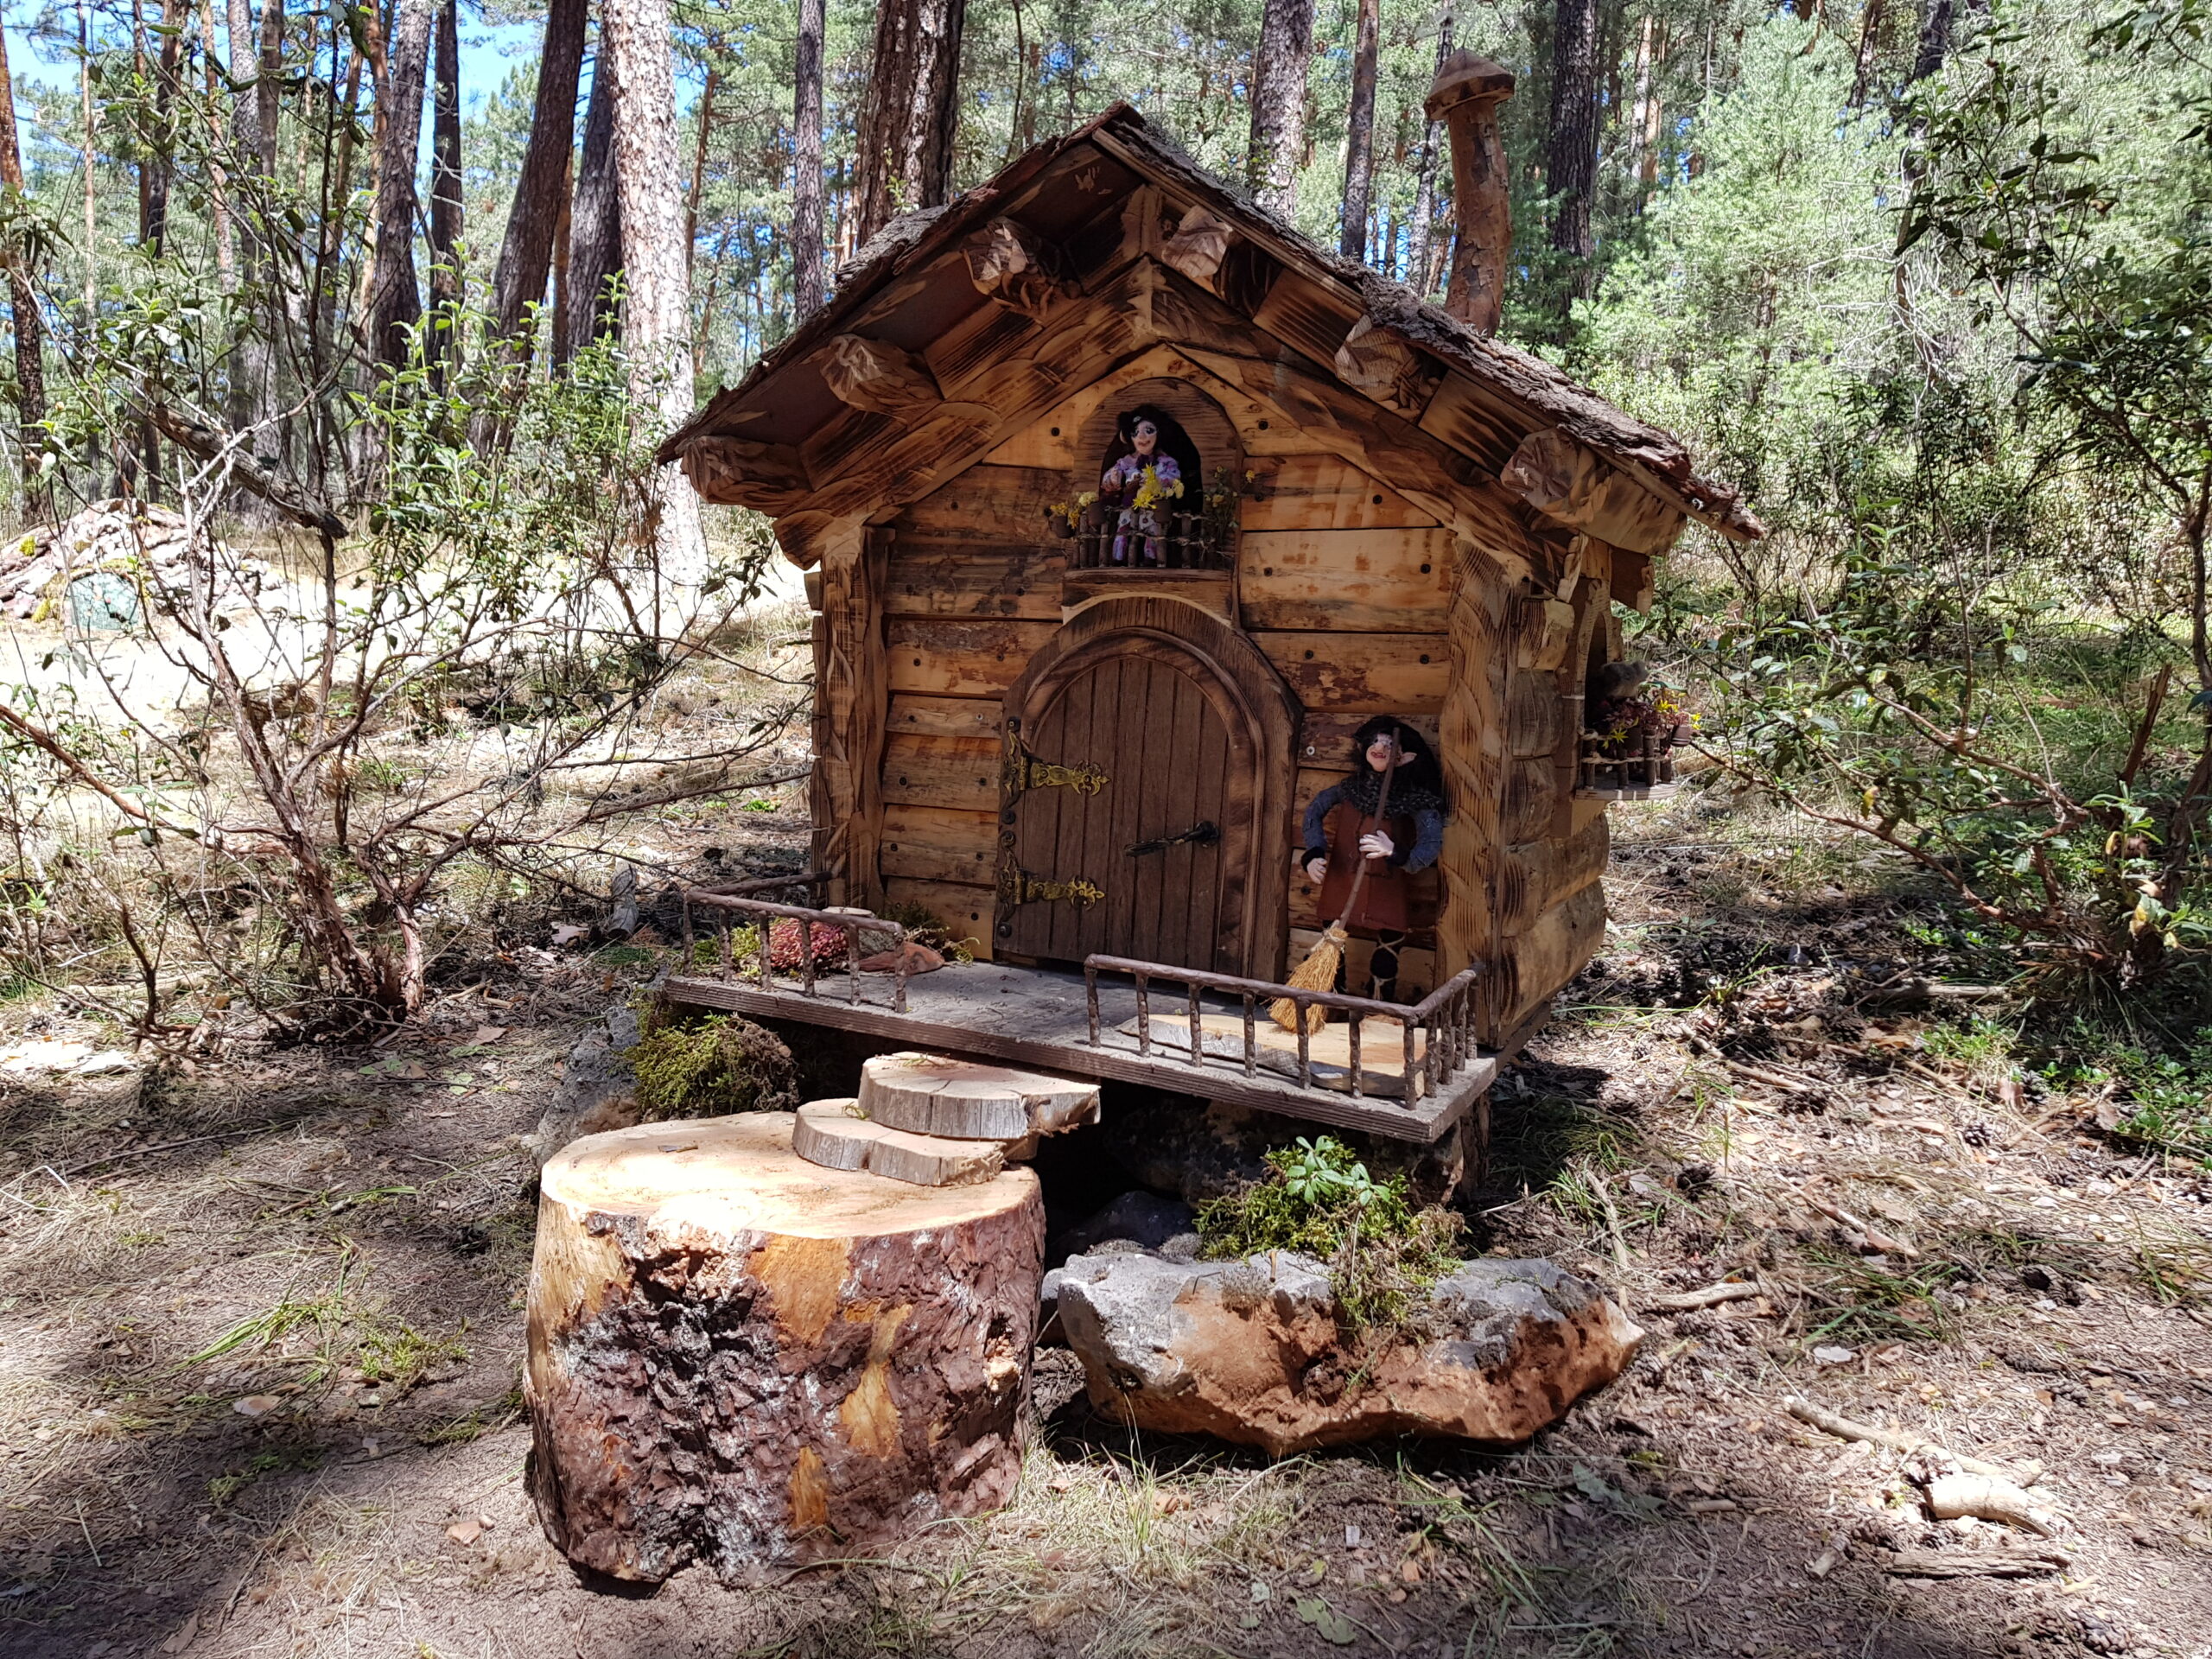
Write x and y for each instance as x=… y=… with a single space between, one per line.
x=261 y=1326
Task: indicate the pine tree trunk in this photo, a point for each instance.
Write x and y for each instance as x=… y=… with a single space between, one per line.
x=657 y=272
x=1418 y=262
x=443 y=344
x=1935 y=40
x=269 y=82
x=1279 y=104
x=1571 y=159
x=161 y=165
x=22 y=302
x=1359 y=145
x=699 y=167
x=807 y=178
x=540 y=192
x=595 y=221
x=394 y=304
x=1870 y=36
x=910 y=111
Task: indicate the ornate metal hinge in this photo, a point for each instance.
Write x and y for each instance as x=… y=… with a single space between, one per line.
x=1022 y=771
x=1017 y=887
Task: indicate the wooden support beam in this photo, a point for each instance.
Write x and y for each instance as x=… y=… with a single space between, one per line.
x=1472 y=751
x=851 y=699
x=1573 y=486
x=869 y=374
x=1387 y=369
x=769 y=478
x=1198 y=248
x=1012 y=264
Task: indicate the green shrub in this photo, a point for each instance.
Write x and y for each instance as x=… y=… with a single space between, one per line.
x=1318 y=1199
x=716 y=1066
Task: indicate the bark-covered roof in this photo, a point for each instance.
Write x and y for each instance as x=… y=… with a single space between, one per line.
x=1542 y=394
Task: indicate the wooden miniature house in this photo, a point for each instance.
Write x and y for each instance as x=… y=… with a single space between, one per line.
x=1060 y=754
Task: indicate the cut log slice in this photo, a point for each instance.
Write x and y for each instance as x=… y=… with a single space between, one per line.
x=741 y=1357
x=969 y=1100
x=832 y=1132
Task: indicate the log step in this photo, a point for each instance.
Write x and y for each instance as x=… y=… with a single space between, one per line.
x=972 y=1100
x=833 y=1134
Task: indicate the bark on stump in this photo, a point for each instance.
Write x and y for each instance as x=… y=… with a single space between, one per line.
x=740 y=1358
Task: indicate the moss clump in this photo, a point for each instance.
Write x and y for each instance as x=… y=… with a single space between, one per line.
x=1318 y=1199
x=709 y=1067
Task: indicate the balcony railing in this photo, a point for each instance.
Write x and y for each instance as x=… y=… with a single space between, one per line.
x=1641 y=762
x=1436 y=1037
x=1155 y=539
x=797 y=943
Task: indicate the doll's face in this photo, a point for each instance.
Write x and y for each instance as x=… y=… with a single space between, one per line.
x=1382 y=754
x=1146 y=436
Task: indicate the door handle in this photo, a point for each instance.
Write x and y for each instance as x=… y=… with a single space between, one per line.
x=1198 y=834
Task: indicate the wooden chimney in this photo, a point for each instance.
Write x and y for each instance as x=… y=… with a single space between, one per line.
x=1465 y=97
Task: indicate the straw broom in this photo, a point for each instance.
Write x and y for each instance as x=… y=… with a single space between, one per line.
x=1319 y=971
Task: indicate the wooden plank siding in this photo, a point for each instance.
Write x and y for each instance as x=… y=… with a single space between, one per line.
x=932 y=843
x=1378 y=581
x=959 y=658
x=1359 y=673
x=1324 y=491
x=958 y=774
x=967 y=911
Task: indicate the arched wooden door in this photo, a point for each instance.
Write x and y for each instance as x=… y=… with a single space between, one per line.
x=1149 y=753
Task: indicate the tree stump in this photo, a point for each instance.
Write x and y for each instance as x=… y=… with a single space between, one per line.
x=832 y=1132
x=740 y=1358
x=972 y=1100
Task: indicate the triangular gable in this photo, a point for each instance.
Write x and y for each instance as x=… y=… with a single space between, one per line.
x=960 y=328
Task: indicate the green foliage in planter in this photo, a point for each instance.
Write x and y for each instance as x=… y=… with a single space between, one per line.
x=711 y=1067
x=1318 y=1199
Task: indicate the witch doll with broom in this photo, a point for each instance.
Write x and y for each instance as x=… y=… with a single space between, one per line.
x=1363 y=838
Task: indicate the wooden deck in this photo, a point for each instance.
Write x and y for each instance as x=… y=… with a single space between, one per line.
x=1037 y=1016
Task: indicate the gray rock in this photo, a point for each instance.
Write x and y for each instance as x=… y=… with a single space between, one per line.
x=1252 y=1350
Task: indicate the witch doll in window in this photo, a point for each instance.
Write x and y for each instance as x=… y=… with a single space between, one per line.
x=1343 y=828
x=1138 y=484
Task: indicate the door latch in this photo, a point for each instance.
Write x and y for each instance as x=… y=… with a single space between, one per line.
x=1198 y=834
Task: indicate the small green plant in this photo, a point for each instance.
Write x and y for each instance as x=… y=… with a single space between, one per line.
x=719 y=1064
x=399 y=1354
x=1319 y=1200
x=224 y=1488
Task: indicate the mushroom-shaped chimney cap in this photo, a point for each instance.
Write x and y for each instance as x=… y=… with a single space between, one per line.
x=1464 y=77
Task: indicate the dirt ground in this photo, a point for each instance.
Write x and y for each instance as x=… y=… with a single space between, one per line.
x=261 y=1324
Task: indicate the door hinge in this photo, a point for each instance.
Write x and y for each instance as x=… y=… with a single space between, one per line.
x=1022 y=771
x=1017 y=886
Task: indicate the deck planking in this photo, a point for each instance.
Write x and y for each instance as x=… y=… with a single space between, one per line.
x=1038 y=1016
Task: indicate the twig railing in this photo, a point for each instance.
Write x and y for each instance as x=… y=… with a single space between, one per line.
x=1154 y=539
x=1445 y=1017
x=849 y=923
x=1645 y=759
